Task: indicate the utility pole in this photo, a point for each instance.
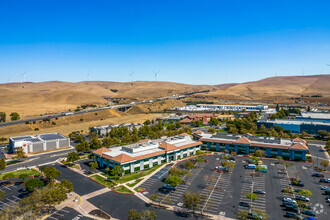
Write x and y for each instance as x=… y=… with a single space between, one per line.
x=251 y=197
x=317 y=162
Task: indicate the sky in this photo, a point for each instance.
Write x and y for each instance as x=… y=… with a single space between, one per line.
x=195 y=42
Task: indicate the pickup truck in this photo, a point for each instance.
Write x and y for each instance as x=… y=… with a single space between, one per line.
x=168 y=187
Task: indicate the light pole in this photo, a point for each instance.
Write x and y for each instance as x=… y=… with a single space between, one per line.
x=251 y=197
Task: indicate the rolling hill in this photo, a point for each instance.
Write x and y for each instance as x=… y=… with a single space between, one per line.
x=55 y=96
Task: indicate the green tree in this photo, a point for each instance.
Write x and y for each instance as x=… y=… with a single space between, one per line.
x=33 y=184
x=191 y=200
x=23 y=176
x=178 y=124
x=92 y=134
x=2 y=116
x=20 y=154
x=95 y=143
x=50 y=172
x=173 y=180
x=14 y=116
x=82 y=147
x=189 y=165
x=242 y=215
x=175 y=171
x=211 y=130
x=322 y=133
x=66 y=186
x=117 y=171
x=2 y=164
x=305 y=192
x=228 y=164
x=153 y=197
x=2 y=195
x=134 y=214
x=7 y=176
x=258 y=153
x=72 y=156
x=93 y=165
x=324 y=163
x=148 y=214
x=251 y=196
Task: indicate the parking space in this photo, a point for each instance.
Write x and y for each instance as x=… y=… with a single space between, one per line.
x=84 y=165
x=65 y=214
x=14 y=193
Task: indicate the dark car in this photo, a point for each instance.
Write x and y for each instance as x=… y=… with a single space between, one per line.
x=303 y=198
x=324 y=180
x=254 y=216
x=291 y=208
x=304 y=206
x=308 y=212
x=244 y=204
x=289 y=204
x=318 y=175
x=292 y=215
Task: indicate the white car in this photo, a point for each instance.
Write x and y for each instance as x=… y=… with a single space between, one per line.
x=289 y=200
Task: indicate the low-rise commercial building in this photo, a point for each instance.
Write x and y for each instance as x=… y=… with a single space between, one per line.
x=36 y=143
x=295 y=149
x=147 y=154
x=211 y=107
x=296 y=126
x=196 y=117
x=314 y=116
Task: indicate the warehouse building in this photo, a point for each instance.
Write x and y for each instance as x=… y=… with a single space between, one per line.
x=314 y=116
x=103 y=130
x=295 y=149
x=148 y=153
x=211 y=107
x=310 y=127
x=36 y=143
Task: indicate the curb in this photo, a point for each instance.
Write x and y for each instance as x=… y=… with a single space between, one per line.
x=122 y=193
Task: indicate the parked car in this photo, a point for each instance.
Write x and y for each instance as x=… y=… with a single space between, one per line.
x=328 y=200
x=254 y=216
x=244 y=204
x=318 y=175
x=289 y=200
x=289 y=204
x=291 y=208
x=292 y=215
x=309 y=218
x=324 y=188
x=303 y=198
x=169 y=187
x=324 y=180
x=308 y=212
x=305 y=206
x=259 y=192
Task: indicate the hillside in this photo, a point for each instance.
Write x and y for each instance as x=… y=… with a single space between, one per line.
x=277 y=88
x=156 y=106
x=46 y=97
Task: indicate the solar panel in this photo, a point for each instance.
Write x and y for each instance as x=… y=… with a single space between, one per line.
x=49 y=137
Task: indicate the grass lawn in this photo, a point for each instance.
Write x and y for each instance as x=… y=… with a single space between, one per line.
x=133 y=176
x=134 y=183
x=19 y=172
x=122 y=189
x=139 y=189
x=103 y=181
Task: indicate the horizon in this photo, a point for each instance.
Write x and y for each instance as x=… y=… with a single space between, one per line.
x=224 y=42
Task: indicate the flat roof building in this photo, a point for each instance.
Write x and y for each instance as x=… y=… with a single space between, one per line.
x=295 y=149
x=314 y=116
x=147 y=154
x=211 y=107
x=103 y=130
x=41 y=142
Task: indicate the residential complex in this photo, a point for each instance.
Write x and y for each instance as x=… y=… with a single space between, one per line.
x=295 y=149
x=103 y=130
x=208 y=107
x=36 y=143
x=297 y=126
x=148 y=153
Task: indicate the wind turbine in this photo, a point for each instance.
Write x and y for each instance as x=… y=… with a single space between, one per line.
x=23 y=76
x=156 y=73
x=9 y=80
x=89 y=76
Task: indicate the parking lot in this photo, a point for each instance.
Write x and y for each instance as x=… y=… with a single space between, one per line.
x=65 y=214
x=224 y=192
x=14 y=193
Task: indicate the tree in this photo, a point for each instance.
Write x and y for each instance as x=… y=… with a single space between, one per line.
x=2 y=195
x=322 y=133
x=50 y=172
x=228 y=164
x=324 y=163
x=191 y=200
x=189 y=165
x=173 y=180
x=66 y=186
x=258 y=153
x=153 y=197
x=72 y=156
x=211 y=130
x=92 y=134
x=148 y=214
x=7 y=176
x=304 y=134
x=251 y=196
x=82 y=147
x=134 y=214
x=95 y=143
x=19 y=154
x=23 y=176
x=175 y=171
x=242 y=215
x=2 y=164
x=33 y=184
x=2 y=116
x=305 y=192
x=14 y=116
x=117 y=171
x=93 y=165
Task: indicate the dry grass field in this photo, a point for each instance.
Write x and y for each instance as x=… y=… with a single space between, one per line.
x=156 y=106
x=66 y=125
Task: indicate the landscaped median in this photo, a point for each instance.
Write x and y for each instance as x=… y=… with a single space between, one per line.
x=139 y=189
x=122 y=189
x=101 y=180
x=134 y=183
x=17 y=173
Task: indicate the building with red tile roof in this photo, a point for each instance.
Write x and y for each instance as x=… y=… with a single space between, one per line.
x=147 y=153
x=295 y=149
x=196 y=117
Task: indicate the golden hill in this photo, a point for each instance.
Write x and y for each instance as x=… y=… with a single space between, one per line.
x=276 y=88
